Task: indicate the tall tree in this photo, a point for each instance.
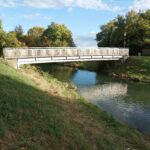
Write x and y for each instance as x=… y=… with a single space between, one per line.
x=146 y=26
x=135 y=25
x=104 y=37
x=20 y=34
x=10 y=40
x=33 y=37
x=58 y=35
x=19 y=30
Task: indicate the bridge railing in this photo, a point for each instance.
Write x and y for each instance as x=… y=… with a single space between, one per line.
x=15 y=53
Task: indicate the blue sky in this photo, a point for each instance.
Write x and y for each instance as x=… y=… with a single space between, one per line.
x=82 y=17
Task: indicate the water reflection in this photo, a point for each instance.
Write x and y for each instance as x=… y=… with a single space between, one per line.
x=105 y=91
x=62 y=73
x=84 y=78
x=127 y=102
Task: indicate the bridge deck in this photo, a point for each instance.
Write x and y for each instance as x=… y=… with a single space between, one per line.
x=62 y=54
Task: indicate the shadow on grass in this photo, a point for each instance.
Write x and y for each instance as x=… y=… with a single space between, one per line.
x=31 y=118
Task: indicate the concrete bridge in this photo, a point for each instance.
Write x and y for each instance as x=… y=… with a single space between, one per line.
x=37 y=55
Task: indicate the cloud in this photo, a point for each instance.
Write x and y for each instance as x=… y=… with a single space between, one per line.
x=31 y=16
x=36 y=16
x=140 y=5
x=70 y=4
x=8 y=3
x=85 y=40
x=87 y=4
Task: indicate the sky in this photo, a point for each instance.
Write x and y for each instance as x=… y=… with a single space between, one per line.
x=82 y=17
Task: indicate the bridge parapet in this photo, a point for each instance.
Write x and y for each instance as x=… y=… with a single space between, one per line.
x=15 y=53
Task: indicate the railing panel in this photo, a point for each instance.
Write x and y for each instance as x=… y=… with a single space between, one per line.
x=71 y=52
x=41 y=53
x=22 y=53
x=10 y=53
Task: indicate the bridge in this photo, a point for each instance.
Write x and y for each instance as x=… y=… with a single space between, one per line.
x=38 y=55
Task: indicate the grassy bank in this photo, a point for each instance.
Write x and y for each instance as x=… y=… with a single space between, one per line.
x=136 y=68
x=39 y=112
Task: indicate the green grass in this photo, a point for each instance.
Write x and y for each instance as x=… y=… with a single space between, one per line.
x=38 y=115
x=136 y=68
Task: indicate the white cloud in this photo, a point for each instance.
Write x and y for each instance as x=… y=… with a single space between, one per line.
x=87 y=4
x=85 y=40
x=31 y=16
x=140 y=5
x=70 y=4
x=92 y=4
x=36 y=16
x=8 y=3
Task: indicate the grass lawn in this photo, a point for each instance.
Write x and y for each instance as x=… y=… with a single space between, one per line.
x=38 y=112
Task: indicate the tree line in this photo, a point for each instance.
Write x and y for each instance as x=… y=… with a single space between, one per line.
x=55 y=35
x=132 y=30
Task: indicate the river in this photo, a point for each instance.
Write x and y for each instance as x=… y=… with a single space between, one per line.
x=127 y=101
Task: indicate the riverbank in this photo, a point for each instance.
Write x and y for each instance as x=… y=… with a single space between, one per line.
x=136 y=68
x=40 y=112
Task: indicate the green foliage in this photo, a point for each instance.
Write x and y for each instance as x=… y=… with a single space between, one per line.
x=19 y=30
x=135 y=68
x=33 y=38
x=10 y=40
x=1 y=25
x=2 y=128
x=19 y=34
x=135 y=25
x=58 y=35
x=55 y=35
x=1 y=37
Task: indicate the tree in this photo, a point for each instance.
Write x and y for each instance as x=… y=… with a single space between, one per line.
x=146 y=27
x=1 y=37
x=33 y=37
x=19 y=30
x=1 y=27
x=19 y=34
x=138 y=31
x=137 y=27
x=58 y=35
x=117 y=38
x=104 y=37
x=10 y=40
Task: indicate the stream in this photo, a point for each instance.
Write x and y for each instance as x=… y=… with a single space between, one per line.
x=127 y=101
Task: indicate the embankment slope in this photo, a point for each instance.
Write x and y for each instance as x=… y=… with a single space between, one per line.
x=39 y=112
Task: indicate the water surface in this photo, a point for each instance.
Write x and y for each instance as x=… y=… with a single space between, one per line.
x=127 y=102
